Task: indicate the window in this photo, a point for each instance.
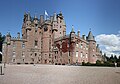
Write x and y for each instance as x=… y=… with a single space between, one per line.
x=60 y=21
x=81 y=46
x=23 y=60
x=60 y=32
x=23 y=45
x=60 y=26
x=86 y=55
x=86 y=47
x=76 y=44
x=76 y=53
x=36 y=42
x=35 y=54
x=81 y=55
x=13 y=60
x=69 y=53
x=23 y=54
x=69 y=61
x=14 y=54
x=55 y=57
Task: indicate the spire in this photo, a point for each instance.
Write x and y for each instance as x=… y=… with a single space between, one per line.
x=29 y=17
x=25 y=14
x=54 y=17
x=60 y=13
x=72 y=29
x=90 y=36
x=35 y=16
x=8 y=34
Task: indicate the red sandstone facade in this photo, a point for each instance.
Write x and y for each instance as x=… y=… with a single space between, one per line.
x=46 y=42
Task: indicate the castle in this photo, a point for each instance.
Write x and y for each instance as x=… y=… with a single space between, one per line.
x=45 y=42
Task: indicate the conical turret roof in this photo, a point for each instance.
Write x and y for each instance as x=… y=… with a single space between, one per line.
x=90 y=36
x=72 y=29
x=29 y=17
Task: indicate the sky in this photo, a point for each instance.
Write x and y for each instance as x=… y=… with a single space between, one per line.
x=101 y=16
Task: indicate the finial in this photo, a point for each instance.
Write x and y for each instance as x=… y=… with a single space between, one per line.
x=60 y=12
x=90 y=29
x=35 y=16
x=29 y=18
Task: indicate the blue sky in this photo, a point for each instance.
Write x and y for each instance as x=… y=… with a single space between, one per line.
x=102 y=16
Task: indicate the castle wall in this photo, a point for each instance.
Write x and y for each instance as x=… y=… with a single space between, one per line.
x=46 y=42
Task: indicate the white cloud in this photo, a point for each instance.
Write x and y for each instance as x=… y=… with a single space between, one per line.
x=119 y=31
x=110 y=44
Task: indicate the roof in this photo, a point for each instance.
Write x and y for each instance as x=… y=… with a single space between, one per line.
x=90 y=36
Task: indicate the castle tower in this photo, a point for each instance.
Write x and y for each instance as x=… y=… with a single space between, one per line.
x=58 y=20
x=54 y=26
x=26 y=26
x=72 y=35
x=6 y=47
x=78 y=33
x=92 y=48
x=46 y=42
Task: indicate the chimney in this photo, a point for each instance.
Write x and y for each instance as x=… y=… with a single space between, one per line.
x=97 y=45
x=18 y=35
x=83 y=37
x=51 y=18
x=41 y=19
x=78 y=33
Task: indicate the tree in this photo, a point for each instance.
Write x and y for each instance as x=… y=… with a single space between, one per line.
x=111 y=58
x=118 y=59
x=115 y=58
x=2 y=38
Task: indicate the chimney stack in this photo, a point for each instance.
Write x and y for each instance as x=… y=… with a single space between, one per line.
x=41 y=19
x=83 y=37
x=18 y=35
x=78 y=33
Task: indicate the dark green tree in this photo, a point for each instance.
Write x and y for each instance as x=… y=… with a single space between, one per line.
x=111 y=59
x=119 y=59
x=115 y=58
x=1 y=42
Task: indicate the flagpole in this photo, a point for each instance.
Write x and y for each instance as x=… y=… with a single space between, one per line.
x=46 y=14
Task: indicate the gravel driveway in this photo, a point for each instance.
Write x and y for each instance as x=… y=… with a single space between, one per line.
x=54 y=74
